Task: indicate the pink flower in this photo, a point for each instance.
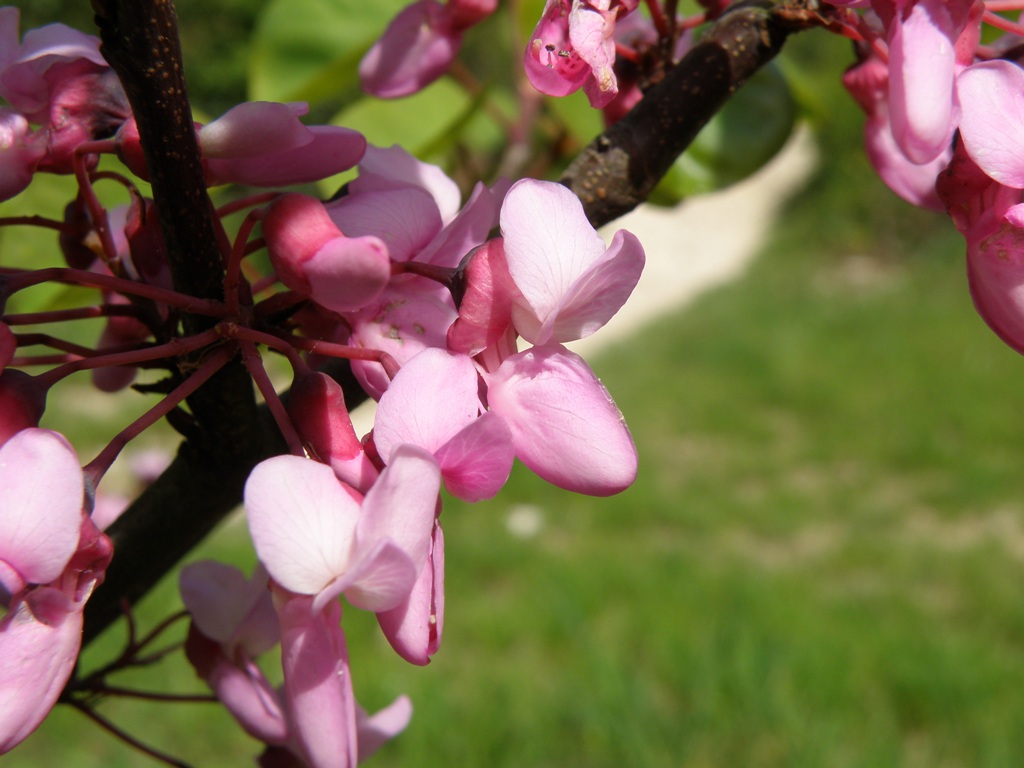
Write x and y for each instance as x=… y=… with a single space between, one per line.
x=570 y=283
x=314 y=258
x=319 y=537
x=867 y=83
x=573 y=47
x=51 y=558
x=233 y=622
x=992 y=128
x=419 y=45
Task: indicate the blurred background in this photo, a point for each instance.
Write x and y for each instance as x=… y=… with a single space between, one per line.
x=820 y=563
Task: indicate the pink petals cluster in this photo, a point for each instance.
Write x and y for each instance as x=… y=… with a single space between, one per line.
x=52 y=556
x=419 y=45
x=459 y=334
x=55 y=79
x=457 y=404
x=453 y=314
x=944 y=131
x=573 y=47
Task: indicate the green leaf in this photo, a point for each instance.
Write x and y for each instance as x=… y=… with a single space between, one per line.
x=304 y=50
x=748 y=132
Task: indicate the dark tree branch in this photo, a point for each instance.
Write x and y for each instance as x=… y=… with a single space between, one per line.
x=618 y=170
x=140 y=41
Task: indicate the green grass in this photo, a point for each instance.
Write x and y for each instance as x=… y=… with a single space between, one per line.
x=820 y=564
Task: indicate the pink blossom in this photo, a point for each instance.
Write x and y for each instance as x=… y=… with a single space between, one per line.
x=51 y=558
x=265 y=145
x=316 y=405
x=570 y=283
x=319 y=537
x=42 y=509
x=867 y=83
x=233 y=622
x=419 y=45
x=573 y=47
x=314 y=258
x=992 y=127
x=20 y=153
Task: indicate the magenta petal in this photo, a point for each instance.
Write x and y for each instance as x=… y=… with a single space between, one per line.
x=600 y=292
x=404 y=219
x=549 y=244
x=434 y=395
x=379 y=580
x=564 y=424
x=331 y=150
x=552 y=65
x=347 y=273
x=41 y=513
x=382 y=726
x=992 y=127
x=39 y=641
x=921 y=71
x=317 y=683
x=415 y=50
x=476 y=462
x=229 y=608
x=393 y=168
x=402 y=504
x=240 y=686
x=414 y=628
x=253 y=128
x=302 y=521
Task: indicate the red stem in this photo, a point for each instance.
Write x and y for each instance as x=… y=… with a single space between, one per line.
x=34 y=221
x=96 y=468
x=254 y=364
x=81 y=313
x=173 y=348
x=17 y=281
x=108 y=726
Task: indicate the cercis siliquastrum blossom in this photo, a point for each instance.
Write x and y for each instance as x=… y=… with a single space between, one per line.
x=945 y=115
x=397 y=276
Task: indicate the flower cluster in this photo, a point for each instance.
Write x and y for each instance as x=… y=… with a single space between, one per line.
x=457 y=332
x=944 y=114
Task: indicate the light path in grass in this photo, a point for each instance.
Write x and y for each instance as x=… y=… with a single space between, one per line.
x=704 y=243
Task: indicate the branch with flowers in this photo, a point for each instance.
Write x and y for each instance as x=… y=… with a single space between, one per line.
x=450 y=311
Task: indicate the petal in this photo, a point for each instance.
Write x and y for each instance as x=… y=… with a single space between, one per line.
x=417 y=48
x=41 y=514
x=253 y=128
x=992 y=127
x=414 y=627
x=476 y=462
x=564 y=424
x=302 y=521
x=405 y=219
x=317 y=683
x=402 y=505
x=332 y=150
x=229 y=608
x=921 y=70
x=39 y=641
x=380 y=579
x=434 y=395
x=348 y=273
x=382 y=726
x=548 y=244
x=599 y=293
x=393 y=168
x=485 y=311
